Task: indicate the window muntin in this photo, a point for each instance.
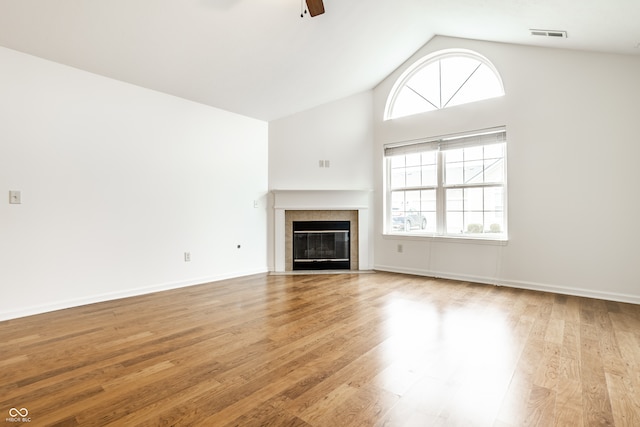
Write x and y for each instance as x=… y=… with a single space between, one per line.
x=450 y=187
x=441 y=80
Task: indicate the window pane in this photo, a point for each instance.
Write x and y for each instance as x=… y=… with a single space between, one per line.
x=455 y=200
x=408 y=103
x=398 y=178
x=473 y=172
x=413 y=159
x=475 y=165
x=494 y=170
x=473 y=199
x=397 y=201
x=429 y=169
x=413 y=211
x=398 y=161
x=455 y=71
x=426 y=82
x=429 y=176
x=475 y=210
x=473 y=153
x=429 y=157
x=455 y=223
x=494 y=222
x=428 y=200
x=428 y=209
x=494 y=151
x=397 y=210
x=474 y=222
x=414 y=170
x=453 y=173
x=482 y=85
x=413 y=177
x=432 y=222
x=412 y=201
x=494 y=199
x=456 y=155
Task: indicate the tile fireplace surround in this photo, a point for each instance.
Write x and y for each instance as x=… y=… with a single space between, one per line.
x=311 y=205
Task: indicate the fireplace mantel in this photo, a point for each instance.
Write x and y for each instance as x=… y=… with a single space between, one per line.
x=321 y=200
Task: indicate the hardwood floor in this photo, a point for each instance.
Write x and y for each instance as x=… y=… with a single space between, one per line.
x=376 y=349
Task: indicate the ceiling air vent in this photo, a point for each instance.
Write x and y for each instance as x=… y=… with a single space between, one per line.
x=549 y=33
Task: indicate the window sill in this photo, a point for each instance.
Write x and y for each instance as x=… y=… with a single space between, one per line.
x=448 y=239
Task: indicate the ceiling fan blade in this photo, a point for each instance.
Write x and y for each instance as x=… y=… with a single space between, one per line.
x=315 y=7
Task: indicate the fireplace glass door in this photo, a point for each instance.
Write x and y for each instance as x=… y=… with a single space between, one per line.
x=321 y=245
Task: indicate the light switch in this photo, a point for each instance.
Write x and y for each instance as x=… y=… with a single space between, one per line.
x=15 y=197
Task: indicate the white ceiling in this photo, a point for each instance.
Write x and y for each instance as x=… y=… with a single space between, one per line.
x=260 y=59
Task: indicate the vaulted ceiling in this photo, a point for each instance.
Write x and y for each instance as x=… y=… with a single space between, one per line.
x=259 y=58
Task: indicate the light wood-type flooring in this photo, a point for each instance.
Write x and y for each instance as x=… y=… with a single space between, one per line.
x=377 y=349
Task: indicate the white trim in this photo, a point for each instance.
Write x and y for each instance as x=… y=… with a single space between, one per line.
x=435 y=274
x=110 y=296
x=517 y=284
x=321 y=199
x=480 y=240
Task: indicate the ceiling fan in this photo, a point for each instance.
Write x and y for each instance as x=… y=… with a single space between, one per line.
x=315 y=7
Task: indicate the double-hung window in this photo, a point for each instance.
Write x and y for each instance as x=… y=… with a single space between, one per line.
x=452 y=186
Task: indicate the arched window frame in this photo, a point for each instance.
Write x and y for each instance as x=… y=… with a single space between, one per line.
x=428 y=60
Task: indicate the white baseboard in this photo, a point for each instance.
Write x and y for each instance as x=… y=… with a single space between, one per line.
x=518 y=284
x=93 y=299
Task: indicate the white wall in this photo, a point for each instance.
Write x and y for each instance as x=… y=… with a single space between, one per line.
x=573 y=197
x=117 y=183
x=341 y=132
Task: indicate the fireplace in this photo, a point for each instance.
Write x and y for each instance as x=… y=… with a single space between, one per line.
x=323 y=220
x=291 y=206
x=321 y=245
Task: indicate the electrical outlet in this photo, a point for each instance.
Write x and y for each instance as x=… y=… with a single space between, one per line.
x=187 y=257
x=15 y=197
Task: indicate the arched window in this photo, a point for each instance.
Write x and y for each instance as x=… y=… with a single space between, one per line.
x=443 y=79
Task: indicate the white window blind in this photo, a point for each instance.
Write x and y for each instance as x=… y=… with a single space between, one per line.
x=485 y=137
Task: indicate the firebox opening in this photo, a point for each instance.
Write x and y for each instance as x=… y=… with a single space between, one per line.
x=321 y=245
